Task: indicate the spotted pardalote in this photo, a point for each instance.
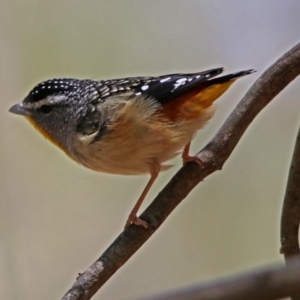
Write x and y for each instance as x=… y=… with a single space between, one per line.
x=127 y=126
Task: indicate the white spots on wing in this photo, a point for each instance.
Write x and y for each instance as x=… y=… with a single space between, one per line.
x=138 y=94
x=165 y=79
x=190 y=79
x=145 y=87
x=198 y=76
x=180 y=82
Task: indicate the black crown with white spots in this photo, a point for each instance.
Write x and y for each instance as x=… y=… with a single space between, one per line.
x=162 y=88
x=52 y=87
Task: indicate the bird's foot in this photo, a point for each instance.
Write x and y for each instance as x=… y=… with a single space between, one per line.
x=134 y=219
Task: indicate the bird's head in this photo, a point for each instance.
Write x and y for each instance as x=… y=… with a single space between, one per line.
x=55 y=107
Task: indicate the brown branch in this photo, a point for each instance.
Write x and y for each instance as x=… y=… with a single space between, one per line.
x=214 y=155
x=262 y=284
x=290 y=216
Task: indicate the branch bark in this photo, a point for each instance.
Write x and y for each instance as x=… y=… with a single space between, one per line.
x=213 y=156
x=290 y=216
x=262 y=284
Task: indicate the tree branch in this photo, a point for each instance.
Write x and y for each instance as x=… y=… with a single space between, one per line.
x=261 y=284
x=213 y=156
x=290 y=216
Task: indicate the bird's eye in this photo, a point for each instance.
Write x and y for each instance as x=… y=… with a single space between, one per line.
x=45 y=109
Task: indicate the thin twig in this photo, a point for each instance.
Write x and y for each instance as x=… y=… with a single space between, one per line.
x=214 y=155
x=261 y=284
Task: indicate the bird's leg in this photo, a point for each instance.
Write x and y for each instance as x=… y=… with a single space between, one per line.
x=186 y=157
x=133 y=218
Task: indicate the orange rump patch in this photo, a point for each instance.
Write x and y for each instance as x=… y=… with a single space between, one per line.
x=192 y=103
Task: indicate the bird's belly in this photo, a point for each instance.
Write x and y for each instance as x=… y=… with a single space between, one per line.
x=133 y=154
x=134 y=164
x=136 y=140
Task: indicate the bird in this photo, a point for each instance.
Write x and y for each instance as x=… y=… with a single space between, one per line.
x=127 y=126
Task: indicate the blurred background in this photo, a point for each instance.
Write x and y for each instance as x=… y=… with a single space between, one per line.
x=57 y=217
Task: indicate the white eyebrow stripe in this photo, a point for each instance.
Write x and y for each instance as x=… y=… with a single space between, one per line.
x=49 y=100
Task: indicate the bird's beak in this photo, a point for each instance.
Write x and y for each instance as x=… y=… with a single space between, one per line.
x=20 y=109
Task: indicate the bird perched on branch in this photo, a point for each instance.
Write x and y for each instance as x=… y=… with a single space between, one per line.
x=126 y=126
